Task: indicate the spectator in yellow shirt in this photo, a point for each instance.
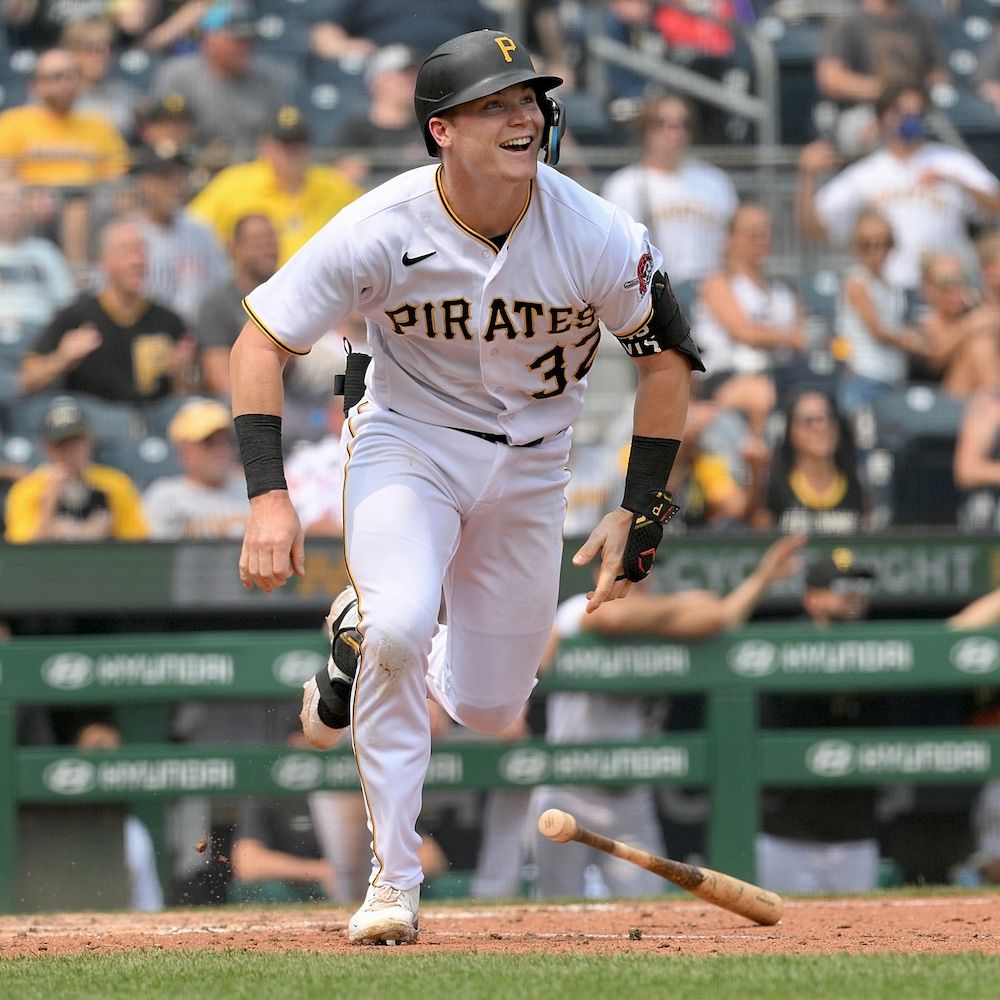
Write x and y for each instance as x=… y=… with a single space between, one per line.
x=70 y=498
x=299 y=197
x=50 y=145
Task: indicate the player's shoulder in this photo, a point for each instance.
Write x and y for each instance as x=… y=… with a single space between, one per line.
x=394 y=194
x=567 y=197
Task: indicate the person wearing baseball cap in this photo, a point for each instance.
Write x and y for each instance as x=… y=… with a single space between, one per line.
x=208 y=500
x=70 y=497
x=185 y=260
x=230 y=88
x=282 y=184
x=163 y=120
x=837 y=589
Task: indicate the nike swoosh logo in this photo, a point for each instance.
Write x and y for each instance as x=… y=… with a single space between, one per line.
x=408 y=260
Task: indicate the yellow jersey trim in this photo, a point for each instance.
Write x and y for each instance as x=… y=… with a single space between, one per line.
x=262 y=326
x=485 y=240
x=636 y=329
x=361 y=663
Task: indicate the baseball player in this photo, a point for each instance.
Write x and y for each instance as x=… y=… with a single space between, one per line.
x=483 y=280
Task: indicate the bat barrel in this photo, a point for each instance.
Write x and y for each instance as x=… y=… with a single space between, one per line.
x=733 y=894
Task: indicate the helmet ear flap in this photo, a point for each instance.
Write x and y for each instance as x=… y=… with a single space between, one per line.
x=555 y=123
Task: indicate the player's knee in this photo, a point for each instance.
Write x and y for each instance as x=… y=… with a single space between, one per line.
x=395 y=648
x=488 y=719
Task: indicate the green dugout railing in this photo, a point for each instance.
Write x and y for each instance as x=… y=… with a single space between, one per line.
x=917 y=570
x=731 y=756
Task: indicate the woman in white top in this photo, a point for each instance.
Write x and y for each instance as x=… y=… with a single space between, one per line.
x=745 y=322
x=683 y=201
x=870 y=319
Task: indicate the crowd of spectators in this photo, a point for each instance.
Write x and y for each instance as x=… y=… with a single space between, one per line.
x=161 y=159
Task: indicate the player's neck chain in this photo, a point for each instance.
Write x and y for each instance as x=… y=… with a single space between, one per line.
x=408 y=260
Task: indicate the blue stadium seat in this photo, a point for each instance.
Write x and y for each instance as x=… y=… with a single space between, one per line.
x=815 y=370
x=16 y=68
x=796 y=45
x=142 y=459
x=15 y=339
x=137 y=67
x=820 y=294
x=918 y=426
x=282 y=37
x=587 y=120
x=327 y=96
x=686 y=293
x=19 y=450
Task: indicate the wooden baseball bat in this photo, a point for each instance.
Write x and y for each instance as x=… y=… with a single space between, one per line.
x=723 y=890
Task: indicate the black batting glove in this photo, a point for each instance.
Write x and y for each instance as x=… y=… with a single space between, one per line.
x=645 y=534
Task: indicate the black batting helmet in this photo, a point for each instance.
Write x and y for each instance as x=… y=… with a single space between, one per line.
x=475 y=65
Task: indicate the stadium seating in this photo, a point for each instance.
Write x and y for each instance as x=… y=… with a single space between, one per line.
x=916 y=429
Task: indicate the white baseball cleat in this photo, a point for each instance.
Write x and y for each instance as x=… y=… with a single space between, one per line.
x=387 y=916
x=326 y=698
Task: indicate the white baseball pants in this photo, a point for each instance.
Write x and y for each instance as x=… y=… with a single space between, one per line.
x=431 y=511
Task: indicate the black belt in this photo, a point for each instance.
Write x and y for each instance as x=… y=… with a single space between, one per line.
x=497 y=438
x=492 y=438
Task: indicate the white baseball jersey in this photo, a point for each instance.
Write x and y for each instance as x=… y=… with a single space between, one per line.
x=924 y=217
x=463 y=335
x=689 y=207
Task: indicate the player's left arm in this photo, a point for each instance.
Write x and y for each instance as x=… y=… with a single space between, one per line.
x=658 y=422
x=664 y=354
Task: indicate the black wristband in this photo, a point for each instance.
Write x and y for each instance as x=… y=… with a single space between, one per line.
x=259 y=437
x=649 y=464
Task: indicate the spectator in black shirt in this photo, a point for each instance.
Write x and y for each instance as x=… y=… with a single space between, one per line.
x=813 y=485
x=116 y=345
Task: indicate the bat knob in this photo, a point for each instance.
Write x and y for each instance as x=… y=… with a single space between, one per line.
x=557 y=825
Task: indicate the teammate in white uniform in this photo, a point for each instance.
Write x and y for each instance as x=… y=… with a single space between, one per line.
x=483 y=281
x=928 y=191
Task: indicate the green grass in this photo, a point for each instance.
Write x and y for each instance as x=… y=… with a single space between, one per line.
x=388 y=974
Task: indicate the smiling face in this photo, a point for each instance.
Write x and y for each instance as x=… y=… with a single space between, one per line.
x=494 y=137
x=813 y=427
x=123 y=257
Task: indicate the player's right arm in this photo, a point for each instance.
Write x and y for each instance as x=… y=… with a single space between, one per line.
x=273 y=543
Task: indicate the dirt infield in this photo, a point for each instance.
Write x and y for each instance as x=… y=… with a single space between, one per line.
x=912 y=923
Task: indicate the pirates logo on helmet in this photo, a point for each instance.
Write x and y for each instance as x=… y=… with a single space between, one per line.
x=475 y=65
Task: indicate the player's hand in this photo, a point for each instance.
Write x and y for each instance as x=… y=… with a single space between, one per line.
x=273 y=544
x=608 y=539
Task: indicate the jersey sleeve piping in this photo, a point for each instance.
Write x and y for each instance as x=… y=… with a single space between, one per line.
x=631 y=333
x=262 y=326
